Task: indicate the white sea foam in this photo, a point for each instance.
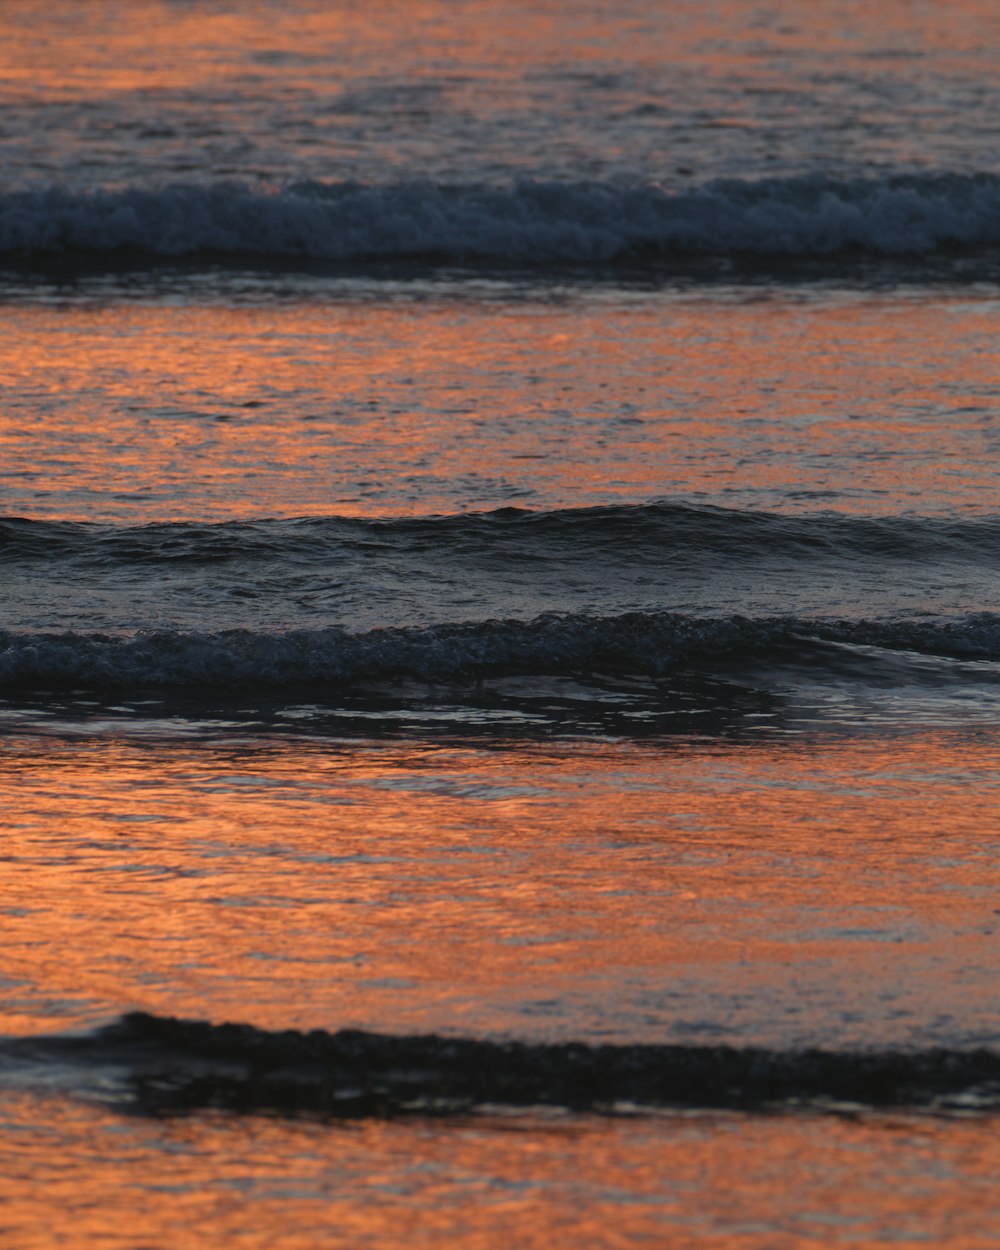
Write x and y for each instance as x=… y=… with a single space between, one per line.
x=527 y=222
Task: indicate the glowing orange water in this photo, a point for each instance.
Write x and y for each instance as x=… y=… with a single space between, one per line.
x=836 y=892
x=580 y=891
x=85 y=49
x=76 y=1175
x=866 y=403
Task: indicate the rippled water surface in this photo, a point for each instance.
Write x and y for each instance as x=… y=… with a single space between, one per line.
x=221 y=400
x=268 y=90
x=774 y=1182
x=500 y=539
x=667 y=890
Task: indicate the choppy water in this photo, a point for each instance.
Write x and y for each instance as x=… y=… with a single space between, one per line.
x=500 y=539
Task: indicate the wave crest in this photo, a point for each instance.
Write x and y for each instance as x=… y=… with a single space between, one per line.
x=647 y=643
x=164 y=1066
x=527 y=222
x=658 y=530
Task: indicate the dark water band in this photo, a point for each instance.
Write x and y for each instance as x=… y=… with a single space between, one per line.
x=171 y=1066
x=902 y=214
x=640 y=643
x=561 y=536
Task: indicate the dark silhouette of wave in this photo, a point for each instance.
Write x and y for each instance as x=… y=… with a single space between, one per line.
x=167 y=1066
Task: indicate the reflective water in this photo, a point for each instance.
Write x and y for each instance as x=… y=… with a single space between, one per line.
x=75 y=1175
x=273 y=91
x=434 y=397
x=798 y=850
x=777 y=892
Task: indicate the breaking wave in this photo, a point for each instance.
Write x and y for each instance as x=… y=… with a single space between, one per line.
x=637 y=642
x=527 y=222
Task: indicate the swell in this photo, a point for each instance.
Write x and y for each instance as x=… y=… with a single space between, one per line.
x=528 y=222
x=169 y=1066
x=650 y=644
x=650 y=530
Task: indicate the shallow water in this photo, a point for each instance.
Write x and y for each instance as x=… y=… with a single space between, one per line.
x=689 y=890
x=206 y=401
x=704 y=1180
x=500 y=538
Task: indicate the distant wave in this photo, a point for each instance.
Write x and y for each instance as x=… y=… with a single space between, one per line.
x=158 y=1065
x=636 y=642
x=527 y=222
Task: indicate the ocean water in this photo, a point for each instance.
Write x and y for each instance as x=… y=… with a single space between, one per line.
x=500 y=535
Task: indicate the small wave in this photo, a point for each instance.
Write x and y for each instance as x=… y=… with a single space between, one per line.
x=528 y=222
x=169 y=1066
x=637 y=642
x=653 y=531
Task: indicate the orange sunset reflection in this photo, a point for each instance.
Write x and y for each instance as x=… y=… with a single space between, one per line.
x=721 y=1181
x=426 y=887
x=653 y=774
x=868 y=403
x=87 y=47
